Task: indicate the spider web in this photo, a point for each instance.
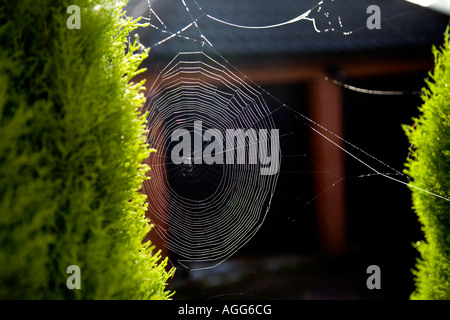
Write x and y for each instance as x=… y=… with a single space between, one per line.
x=206 y=220
x=206 y=212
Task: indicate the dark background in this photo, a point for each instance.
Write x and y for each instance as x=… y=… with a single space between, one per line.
x=381 y=225
x=284 y=260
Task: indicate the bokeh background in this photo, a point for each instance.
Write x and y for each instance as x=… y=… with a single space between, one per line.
x=316 y=244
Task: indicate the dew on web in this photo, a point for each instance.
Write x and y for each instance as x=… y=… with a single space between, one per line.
x=204 y=207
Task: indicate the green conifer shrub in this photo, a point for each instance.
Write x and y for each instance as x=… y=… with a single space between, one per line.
x=72 y=144
x=429 y=167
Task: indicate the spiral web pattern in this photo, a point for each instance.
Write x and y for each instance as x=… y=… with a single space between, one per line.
x=206 y=212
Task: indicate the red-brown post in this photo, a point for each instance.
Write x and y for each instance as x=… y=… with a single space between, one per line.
x=326 y=108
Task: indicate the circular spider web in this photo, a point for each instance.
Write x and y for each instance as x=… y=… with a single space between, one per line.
x=206 y=212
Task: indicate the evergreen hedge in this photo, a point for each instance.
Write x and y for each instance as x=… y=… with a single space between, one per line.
x=72 y=143
x=429 y=167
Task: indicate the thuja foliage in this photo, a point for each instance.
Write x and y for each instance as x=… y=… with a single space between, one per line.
x=71 y=150
x=429 y=167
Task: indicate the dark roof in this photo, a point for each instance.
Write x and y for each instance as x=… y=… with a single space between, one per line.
x=403 y=25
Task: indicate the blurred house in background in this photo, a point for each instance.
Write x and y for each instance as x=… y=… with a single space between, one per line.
x=319 y=69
